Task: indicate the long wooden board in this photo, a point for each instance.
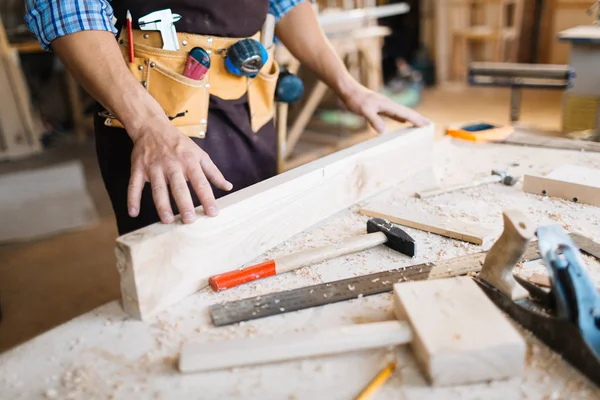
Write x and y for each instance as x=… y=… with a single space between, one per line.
x=162 y=264
x=430 y=223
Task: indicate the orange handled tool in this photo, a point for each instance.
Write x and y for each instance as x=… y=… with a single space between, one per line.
x=379 y=231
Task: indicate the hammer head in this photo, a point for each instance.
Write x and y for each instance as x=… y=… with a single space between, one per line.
x=507 y=179
x=397 y=239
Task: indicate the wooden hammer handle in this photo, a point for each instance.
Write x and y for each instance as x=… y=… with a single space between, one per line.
x=294 y=261
x=483 y=181
x=506 y=253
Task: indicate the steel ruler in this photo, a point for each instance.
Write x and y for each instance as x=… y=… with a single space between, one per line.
x=366 y=285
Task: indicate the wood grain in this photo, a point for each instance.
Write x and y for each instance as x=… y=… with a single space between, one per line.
x=430 y=223
x=162 y=264
x=459 y=335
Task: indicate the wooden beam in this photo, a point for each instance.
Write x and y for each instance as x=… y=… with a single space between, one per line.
x=163 y=263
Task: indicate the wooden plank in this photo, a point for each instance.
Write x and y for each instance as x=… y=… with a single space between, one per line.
x=526 y=139
x=459 y=335
x=309 y=156
x=210 y=356
x=569 y=182
x=163 y=263
x=430 y=223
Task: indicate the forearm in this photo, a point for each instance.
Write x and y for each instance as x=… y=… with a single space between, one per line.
x=95 y=61
x=301 y=33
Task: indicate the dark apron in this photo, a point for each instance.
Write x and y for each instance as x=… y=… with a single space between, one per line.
x=244 y=157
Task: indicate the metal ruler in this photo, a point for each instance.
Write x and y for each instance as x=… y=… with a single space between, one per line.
x=366 y=285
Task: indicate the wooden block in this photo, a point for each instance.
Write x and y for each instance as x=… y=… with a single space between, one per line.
x=430 y=223
x=459 y=335
x=569 y=182
x=162 y=264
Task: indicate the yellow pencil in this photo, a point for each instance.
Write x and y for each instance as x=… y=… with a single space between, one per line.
x=379 y=380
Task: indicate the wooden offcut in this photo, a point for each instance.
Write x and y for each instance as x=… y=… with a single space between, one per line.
x=459 y=335
x=570 y=182
x=430 y=223
x=163 y=263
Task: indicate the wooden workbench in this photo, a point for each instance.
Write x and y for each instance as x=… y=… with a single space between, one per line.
x=105 y=354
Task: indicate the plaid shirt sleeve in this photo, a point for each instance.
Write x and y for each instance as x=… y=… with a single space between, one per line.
x=50 y=19
x=281 y=7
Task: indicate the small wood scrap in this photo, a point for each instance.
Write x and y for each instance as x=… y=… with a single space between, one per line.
x=542 y=280
x=430 y=223
x=570 y=182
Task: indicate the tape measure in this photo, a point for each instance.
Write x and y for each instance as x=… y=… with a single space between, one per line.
x=246 y=58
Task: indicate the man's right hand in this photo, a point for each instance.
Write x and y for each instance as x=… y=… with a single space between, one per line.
x=162 y=155
x=167 y=159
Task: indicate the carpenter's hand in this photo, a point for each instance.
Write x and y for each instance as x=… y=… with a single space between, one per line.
x=370 y=104
x=168 y=159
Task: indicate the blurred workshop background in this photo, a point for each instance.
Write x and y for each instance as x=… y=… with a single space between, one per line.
x=57 y=231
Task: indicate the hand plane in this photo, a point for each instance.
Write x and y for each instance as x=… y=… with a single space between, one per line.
x=567 y=318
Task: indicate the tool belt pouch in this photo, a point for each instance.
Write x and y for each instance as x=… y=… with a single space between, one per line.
x=261 y=93
x=185 y=101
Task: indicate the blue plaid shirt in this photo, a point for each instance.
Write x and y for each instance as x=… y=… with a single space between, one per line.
x=49 y=19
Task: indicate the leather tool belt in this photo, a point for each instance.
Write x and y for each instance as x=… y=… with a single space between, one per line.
x=185 y=101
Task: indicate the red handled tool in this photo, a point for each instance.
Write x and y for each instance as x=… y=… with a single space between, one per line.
x=198 y=64
x=380 y=231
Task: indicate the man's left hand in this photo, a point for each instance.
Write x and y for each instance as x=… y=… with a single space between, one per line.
x=371 y=105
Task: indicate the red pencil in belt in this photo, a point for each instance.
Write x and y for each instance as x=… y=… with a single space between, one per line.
x=130 y=36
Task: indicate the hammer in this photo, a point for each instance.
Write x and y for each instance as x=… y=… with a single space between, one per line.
x=379 y=231
x=496 y=176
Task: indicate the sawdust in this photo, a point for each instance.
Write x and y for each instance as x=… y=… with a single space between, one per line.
x=547 y=375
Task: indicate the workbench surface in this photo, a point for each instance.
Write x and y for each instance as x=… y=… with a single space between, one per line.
x=104 y=354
